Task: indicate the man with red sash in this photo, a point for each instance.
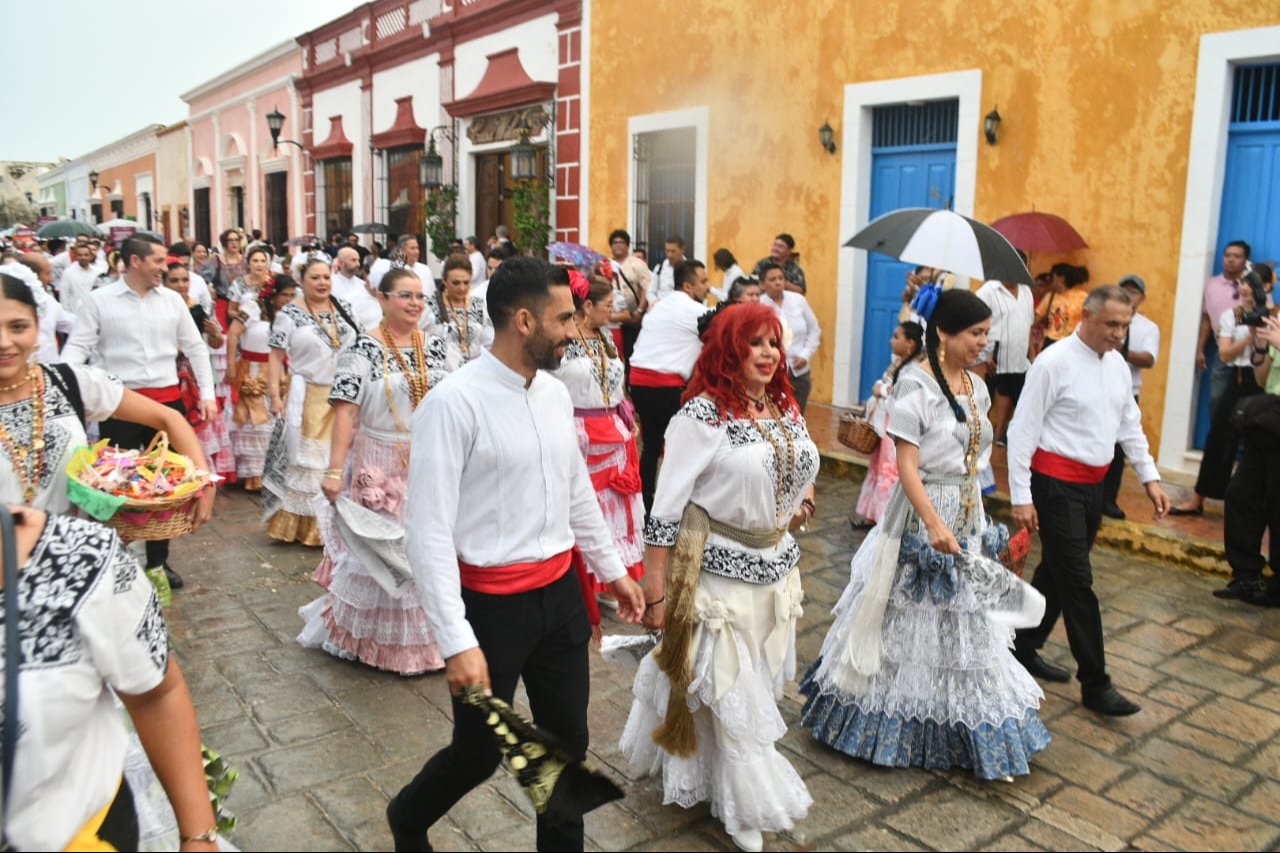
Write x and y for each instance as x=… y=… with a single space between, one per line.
x=499 y=496
x=662 y=362
x=1077 y=404
x=137 y=327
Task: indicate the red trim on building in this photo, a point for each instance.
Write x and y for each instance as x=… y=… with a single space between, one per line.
x=337 y=145
x=404 y=130
x=505 y=84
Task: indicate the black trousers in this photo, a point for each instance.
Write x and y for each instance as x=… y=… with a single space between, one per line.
x=1115 y=474
x=630 y=334
x=127 y=434
x=1070 y=514
x=1222 y=444
x=655 y=407
x=540 y=636
x=1253 y=506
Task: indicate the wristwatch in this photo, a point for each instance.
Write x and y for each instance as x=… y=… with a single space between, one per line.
x=209 y=836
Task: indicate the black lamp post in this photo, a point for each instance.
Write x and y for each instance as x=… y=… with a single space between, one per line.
x=275 y=121
x=524 y=158
x=93 y=179
x=991 y=126
x=827 y=137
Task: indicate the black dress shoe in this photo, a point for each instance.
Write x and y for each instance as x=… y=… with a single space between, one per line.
x=1112 y=510
x=175 y=579
x=1110 y=703
x=406 y=840
x=1241 y=588
x=1262 y=597
x=1042 y=669
x=1177 y=510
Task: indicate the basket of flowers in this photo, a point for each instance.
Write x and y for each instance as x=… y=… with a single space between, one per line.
x=142 y=494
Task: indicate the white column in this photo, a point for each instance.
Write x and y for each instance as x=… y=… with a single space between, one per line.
x=252 y=171
x=297 y=207
x=216 y=189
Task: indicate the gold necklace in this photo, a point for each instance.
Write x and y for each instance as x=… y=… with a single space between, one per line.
x=972 y=448
x=458 y=316
x=334 y=334
x=415 y=373
x=777 y=452
x=19 y=454
x=23 y=381
x=601 y=361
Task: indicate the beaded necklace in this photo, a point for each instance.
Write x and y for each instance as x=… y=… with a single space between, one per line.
x=458 y=317
x=334 y=334
x=601 y=361
x=972 y=448
x=776 y=415
x=415 y=373
x=28 y=462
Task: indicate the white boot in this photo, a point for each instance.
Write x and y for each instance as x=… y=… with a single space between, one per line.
x=749 y=840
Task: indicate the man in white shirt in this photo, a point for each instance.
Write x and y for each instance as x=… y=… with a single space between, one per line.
x=33 y=269
x=59 y=257
x=1076 y=405
x=406 y=254
x=479 y=264
x=799 y=326
x=663 y=281
x=348 y=284
x=1013 y=312
x=501 y=496
x=662 y=363
x=78 y=279
x=139 y=327
x=1140 y=350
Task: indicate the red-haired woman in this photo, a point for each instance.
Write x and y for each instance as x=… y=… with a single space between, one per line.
x=722 y=584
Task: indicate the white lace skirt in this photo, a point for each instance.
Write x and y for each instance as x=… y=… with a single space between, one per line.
x=743 y=652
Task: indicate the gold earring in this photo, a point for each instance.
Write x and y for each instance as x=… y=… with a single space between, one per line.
x=942 y=356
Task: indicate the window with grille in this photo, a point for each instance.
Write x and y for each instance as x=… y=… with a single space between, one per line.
x=665 y=191
x=403 y=190
x=337 y=195
x=202 y=216
x=912 y=125
x=1255 y=95
x=277 y=212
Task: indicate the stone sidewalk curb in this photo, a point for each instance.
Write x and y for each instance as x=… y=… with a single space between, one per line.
x=1184 y=550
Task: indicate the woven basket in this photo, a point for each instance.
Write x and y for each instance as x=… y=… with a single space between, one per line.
x=857 y=433
x=158 y=518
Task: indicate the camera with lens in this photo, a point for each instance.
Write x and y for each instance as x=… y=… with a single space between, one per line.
x=1256 y=315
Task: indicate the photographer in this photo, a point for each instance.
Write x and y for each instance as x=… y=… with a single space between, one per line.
x=1253 y=496
x=1236 y=328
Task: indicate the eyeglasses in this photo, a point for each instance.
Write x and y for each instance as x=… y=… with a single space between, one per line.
x=409 y=295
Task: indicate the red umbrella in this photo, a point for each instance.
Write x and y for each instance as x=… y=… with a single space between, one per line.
x=1040 y=232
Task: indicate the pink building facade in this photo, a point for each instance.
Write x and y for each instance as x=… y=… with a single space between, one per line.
x=377 y=82
x=238 y=178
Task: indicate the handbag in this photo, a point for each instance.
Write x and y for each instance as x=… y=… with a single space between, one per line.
x=12 y=661
x=1014 y=555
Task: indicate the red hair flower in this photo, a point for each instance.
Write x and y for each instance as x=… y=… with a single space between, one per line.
x=578 y=284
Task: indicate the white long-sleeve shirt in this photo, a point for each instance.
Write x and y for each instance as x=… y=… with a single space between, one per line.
x=802 y=325
x=668 y=341
x=497 y=479
x=662 y=283
x=1077 y=404
x=732 y=274
x=353 y=291
x=75 y=284
x=1011 y=320
x=139 y=337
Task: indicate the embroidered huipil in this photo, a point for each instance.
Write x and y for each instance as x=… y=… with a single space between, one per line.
x=726 y=466
x=496 y=479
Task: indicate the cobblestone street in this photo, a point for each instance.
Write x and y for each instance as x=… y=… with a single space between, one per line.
x=320 y=743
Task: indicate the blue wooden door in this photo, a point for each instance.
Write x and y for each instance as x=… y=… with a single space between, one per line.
x=901 y=176
x=1251 y=189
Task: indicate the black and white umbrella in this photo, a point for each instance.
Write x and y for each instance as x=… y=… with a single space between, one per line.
x=943 y=240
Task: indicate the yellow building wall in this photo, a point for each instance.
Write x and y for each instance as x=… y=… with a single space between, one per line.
x=1096 y=97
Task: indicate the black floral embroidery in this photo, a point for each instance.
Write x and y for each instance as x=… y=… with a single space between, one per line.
x=151 y=633
x=591 y=355
x=752 y=568
x=661 y=532
x=126 y=572
x=68 y=563
x=703 y=411
x=304 y=319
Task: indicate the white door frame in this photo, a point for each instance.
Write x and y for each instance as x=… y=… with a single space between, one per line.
x=698 y=118
x=1202 y=207
x=855 y=194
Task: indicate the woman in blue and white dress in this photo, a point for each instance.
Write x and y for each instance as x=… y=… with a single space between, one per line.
x=916 y=670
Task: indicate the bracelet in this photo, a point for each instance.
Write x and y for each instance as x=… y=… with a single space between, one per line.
x=809 y=505
x=210 y=836
x=654 y=603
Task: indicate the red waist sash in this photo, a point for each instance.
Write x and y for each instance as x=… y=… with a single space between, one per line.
x=1071 y=470
x=161 y=395
x=259 y=357
x=515 y=578
x=656 y=379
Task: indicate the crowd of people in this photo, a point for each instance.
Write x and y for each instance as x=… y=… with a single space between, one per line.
x=489 y=456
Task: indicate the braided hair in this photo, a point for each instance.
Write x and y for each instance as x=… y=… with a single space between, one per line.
x=955 y=311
